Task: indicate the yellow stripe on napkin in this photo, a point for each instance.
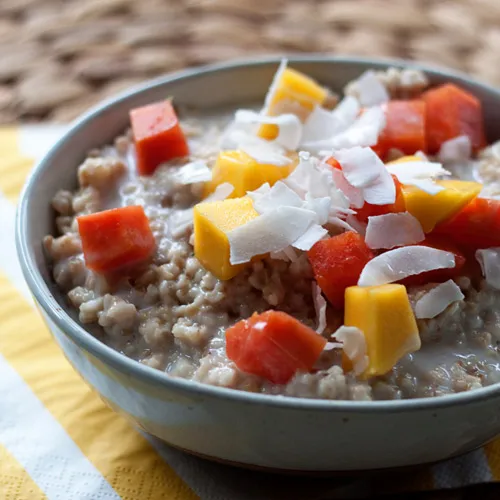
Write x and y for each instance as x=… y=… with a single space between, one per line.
x=121 y=454
x=16 y=484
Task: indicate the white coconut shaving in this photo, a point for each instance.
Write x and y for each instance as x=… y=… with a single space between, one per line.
x=393 y=230
x=274 y=86
x=400 y=263
x=262 y=151
x=193 y=172
x=436 y=300
x=363 y=169
x=364 y=131
x=354 y=346
x=371 y=91
x=353 y=194
x=312 y=235
x=419 y=174
x=360 y=166
x=268 y=199
x=319 y=307
x=180 y=222
x=323 y=125
x=456 y=150
x=270 y=232
x=489 y=260
x=222 y=191
x=289 y=126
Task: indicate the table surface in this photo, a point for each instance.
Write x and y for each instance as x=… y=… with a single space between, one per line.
x=58 y=57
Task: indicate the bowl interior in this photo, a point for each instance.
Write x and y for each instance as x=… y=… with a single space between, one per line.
x=202 y=89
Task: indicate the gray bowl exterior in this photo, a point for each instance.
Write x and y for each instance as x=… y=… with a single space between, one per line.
x=248 y=429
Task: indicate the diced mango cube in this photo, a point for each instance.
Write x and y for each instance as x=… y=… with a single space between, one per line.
x=430 y=209
x=295 y=93
x=405 y=159
x=384 y=314
x=212 y=221
x=244 y=173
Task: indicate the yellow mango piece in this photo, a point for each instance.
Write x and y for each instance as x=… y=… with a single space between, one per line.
x=430 y=209
x=405 y=159
x=295 y=93
x=384 y=314
x=212 y=221
x=244 y=173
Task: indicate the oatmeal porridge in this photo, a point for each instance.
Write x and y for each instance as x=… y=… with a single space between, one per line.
x=319 y=247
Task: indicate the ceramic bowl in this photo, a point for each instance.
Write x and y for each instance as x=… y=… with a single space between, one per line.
x=251 y=430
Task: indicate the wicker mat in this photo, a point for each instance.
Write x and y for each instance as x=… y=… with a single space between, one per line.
x=57 y=57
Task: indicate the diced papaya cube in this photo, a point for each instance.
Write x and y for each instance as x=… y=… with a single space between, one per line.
x=432 y=209
x=452 y=111
x=439 y=275
x=404 y=129
x=244 y=173
x=337 y=263
x=273 y=345
x=212 y=221
x=158 y=136
x=294 y=93
x=116 y=238
x=384 y=314
x=477 y=225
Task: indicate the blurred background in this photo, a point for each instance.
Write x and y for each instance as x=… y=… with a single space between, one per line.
x=58 y=57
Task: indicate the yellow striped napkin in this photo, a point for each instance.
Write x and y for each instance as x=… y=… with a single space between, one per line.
x=59 y=441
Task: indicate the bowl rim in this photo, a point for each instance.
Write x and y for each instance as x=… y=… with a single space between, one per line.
x=148 y=375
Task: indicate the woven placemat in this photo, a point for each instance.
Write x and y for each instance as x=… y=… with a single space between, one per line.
x=58 y=57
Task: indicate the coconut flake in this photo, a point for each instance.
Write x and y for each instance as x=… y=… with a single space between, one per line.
x=438 y=299
x=393 y=230
x=180 y=222
x=354 y=346
x=421 y=155
x=262 y=151
x=319 y=307
x=289 y=126
x=363 y=169
x=279 y=195
x=353 y=194
x=320 y=206
x=400 y=263
x=193 y=172
x=270 y=232
x=222 y=191
x=329 y=346
x=489 y=260
x=360 y=166
x=323 y=125
x=382 y=191
x=370 y=90
x=364 y=131
x=417 y=170
x=419 y=174
x=312 y=235
x=456 y=150
x=274 y=85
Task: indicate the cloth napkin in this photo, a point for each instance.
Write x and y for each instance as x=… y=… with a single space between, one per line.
x=58 y=440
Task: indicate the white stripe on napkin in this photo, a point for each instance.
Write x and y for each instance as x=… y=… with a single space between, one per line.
x=8 y=256
x=39 y=443
x=460 y=471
